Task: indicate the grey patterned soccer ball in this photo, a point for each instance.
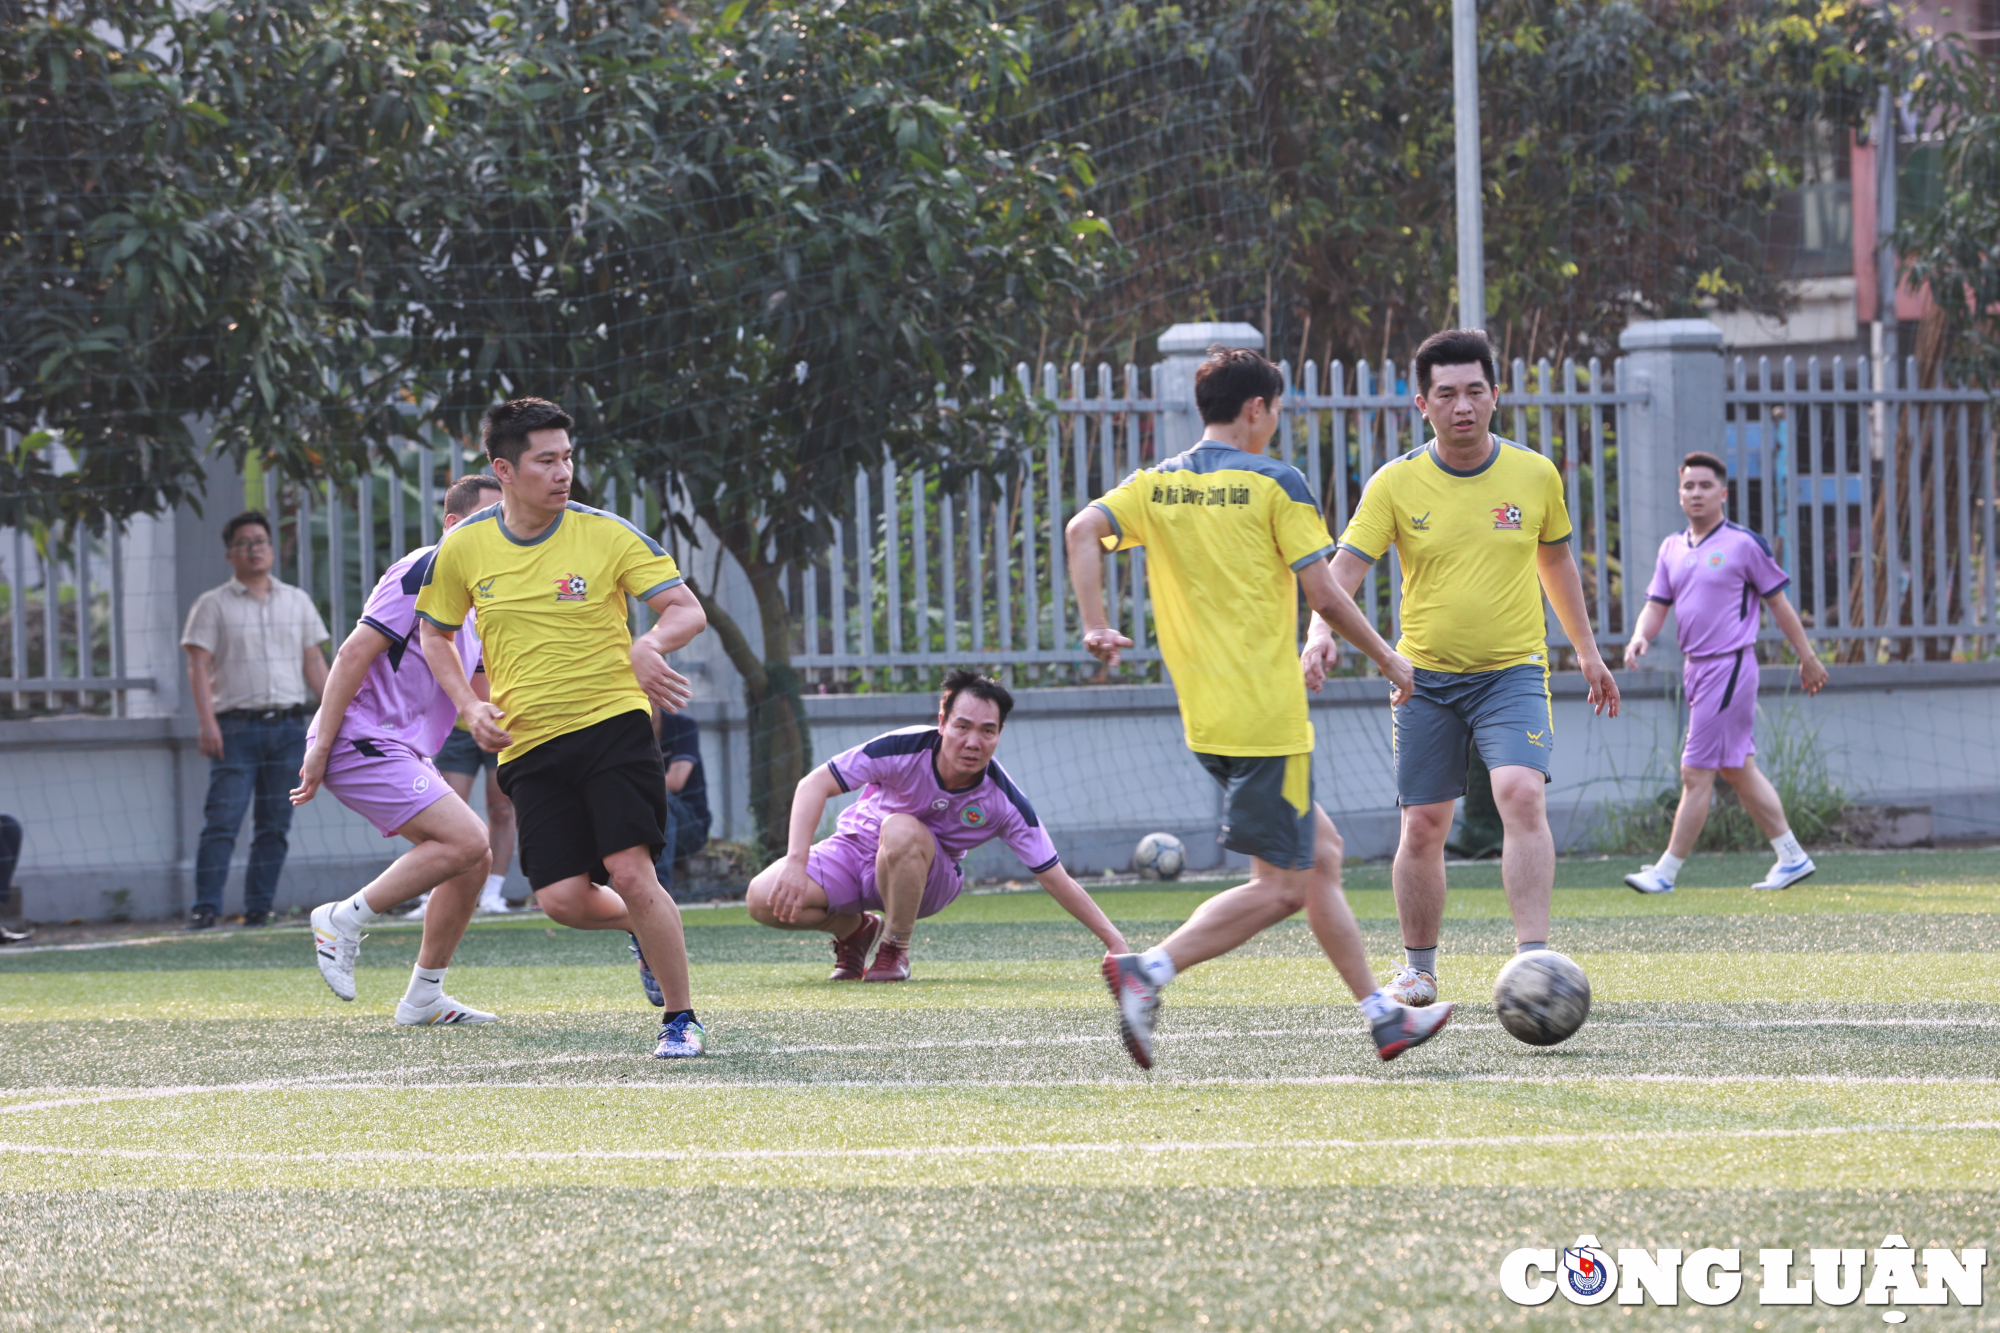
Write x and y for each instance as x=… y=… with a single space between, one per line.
x=1159 y=856
x=1542 y=997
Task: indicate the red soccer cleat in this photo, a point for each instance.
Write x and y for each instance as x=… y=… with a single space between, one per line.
x=892 y=963
x=850 y=956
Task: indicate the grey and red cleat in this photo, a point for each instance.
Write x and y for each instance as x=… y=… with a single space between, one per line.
x=1404 y=1027
x=1138 y=1001
x=892 y=963
x=850 y=956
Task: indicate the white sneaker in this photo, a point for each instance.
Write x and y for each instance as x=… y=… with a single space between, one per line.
x=1648 y=879
x=493 y=904
x=1138 y=1001
x=439 y=1012
x=1782 y=876
x=336 y=952
x=417 y=913
x=1412 y=987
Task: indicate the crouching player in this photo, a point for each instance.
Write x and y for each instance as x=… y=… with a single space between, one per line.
x=380 y=720
x=929 y=795
x=1711 y=577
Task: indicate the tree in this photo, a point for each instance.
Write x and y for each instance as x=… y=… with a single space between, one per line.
x=183 y=189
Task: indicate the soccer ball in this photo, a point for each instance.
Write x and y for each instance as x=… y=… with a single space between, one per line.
x=1159 y=856
x=1542 y=997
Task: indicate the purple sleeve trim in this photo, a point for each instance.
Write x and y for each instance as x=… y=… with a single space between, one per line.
x=1049 y=864
x=1783 y=584
x=836 y=776
x=1663 y=601
x=382 y=629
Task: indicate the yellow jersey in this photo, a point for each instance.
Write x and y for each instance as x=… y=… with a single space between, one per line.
x=1472 y=593
x=551 y=615
x=1224 y=532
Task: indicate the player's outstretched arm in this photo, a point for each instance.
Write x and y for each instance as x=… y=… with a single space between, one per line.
x=1062 y=887
x=1812 y=671
x=1322 y=650
x=680 y=619
x=1651 y=621
x=482 y=719
x=1563 y=585
x=1338 y=610
x=343 y=682
x=1084 y=540
x=809 y=800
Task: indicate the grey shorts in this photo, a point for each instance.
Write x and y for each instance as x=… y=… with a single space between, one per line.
x=1507 y=714
x=1269 y=806
x=461 y=754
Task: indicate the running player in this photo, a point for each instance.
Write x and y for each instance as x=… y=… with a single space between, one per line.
x=573 y=692
x=929 y=795
x=1482 y=532
x=1711 y=577
x=380 y=719
x=1231 y=537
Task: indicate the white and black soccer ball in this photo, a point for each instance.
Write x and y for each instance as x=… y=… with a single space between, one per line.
x=1159 y=856
x=1542 y=997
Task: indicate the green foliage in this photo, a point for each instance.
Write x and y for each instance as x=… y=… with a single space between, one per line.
x=1954 y=246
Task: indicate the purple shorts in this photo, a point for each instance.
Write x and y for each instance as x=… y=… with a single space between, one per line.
x=385 y=782
x=844 y=866
x=1722 y=705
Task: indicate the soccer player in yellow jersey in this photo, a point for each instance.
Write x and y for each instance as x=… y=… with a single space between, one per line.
x=573 y=692
x=1482 y=532
x=1231 y=536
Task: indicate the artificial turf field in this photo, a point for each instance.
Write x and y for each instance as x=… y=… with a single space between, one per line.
x=195 y=1133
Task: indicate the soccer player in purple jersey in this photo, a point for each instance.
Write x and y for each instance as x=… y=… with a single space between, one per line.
x=1712 y=577
x=929 y=795
x=381 y=718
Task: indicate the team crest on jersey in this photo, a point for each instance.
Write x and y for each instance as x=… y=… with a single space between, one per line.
x=1715 y=560
x=570 y=588
x=972 y=816
x=1507 y=518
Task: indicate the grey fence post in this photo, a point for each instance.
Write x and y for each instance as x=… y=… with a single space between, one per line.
x=1678 y=364
x=1183 y=348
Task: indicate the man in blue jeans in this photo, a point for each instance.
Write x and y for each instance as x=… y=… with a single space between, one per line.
x=255 y=667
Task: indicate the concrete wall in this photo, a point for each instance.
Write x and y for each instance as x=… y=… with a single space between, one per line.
x=115 y=805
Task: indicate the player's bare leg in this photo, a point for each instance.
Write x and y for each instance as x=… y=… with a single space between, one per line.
x=1759 y=798
x=582 y=905
x=656 y=920
x=904 y=856
x=1417 y=878
x=1528 y=857
x=1697 y=797
x=811 y=915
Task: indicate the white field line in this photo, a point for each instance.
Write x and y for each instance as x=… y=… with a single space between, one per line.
x=919 y=1152
x=98 y=1097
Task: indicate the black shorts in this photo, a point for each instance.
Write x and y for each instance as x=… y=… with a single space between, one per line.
x=1269 y=810
x=586 y=795
x=461 y=754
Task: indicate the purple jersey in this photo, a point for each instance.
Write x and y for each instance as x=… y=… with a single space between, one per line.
x=1714 y=586
x=899 y=773
x=399 y=699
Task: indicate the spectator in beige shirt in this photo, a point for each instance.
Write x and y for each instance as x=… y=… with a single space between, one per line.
x=255 y=667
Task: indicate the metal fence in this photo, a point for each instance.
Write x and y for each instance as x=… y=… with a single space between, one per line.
x=1878 y=498
x=1876 y=494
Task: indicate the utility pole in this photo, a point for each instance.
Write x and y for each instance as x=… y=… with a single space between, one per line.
x=1465 y=116
x=1886 y=358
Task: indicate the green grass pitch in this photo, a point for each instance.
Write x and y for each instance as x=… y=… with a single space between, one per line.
x=195 y=1134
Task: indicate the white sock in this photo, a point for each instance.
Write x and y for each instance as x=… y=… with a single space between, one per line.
x=1669 y=865
x=1788 y=849
x=1159 y=968
x=354 y=913
x=1377 y=1006
x=426 y=984
x=494 y=883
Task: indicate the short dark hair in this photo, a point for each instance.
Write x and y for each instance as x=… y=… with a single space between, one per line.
x=469 y=493
x=1231 y=377
x=959 y=681
x=1456 y=347
x=1700 y=459
x=248 y=518
x=504 y=428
